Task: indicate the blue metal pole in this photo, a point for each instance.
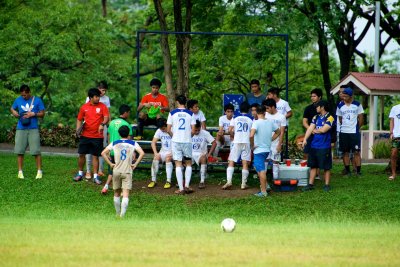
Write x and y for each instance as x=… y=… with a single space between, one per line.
x=137 y=76
x=287 y=88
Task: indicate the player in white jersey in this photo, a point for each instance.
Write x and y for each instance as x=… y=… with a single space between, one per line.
x=200 y=140
x=276 y=145
x=240 y=131
x=165 y=154
x=223 y=136
x=193 y=106
x=350 y=115
x=124 y=152
x=281 y=105
x=394 y=117
x=180 y=125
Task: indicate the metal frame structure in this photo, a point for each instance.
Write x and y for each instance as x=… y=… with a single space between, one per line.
x=285 y=36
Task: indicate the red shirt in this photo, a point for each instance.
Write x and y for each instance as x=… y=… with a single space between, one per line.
x=93 y=115
x=159 y=100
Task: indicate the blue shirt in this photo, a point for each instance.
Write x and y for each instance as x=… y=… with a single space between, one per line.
x=322 y=140
x=21 y=106
x=263 y=137
x=251 y=99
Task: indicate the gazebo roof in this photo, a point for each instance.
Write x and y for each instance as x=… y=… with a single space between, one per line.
x=371 y=83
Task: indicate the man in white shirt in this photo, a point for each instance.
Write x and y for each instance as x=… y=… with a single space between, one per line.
x=223 y=136
x=239 y=129
x=394 y=117
x=281 y=105
x=200 y=141
x=350 y=116
x=180 y=126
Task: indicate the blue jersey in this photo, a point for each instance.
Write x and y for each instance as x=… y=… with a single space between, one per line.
x=322 y=140
x=21 y=106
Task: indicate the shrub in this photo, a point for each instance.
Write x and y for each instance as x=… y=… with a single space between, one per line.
x=382 y=149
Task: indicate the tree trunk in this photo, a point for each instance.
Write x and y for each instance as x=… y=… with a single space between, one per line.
x=324 y=63
x=104 y=7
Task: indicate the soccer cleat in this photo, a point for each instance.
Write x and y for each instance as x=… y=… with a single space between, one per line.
x=261 y=194
x=88 y=175
x=180 y=192
x=78 y=178
x=21 y=175
x=167 y=185
x=188 y=190
x=152 y=184
x=202 y=186
x=97 y=181
x=317 y=177
x=308 y=187
x=137 y=138
x=327 y=188
x=104 y=190
x=39 y=175
x=226 y=186
x=244 y=186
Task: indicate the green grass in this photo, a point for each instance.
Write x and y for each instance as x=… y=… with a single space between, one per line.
x=57 y=222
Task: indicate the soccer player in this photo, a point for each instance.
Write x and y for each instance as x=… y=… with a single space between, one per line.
x=165 y=154
x=124 y=151
x=350 y=115
x=281 y=105
x=113 y=135
x=262 y=133
x=394 y=117
x=193 y=106
x=239 y=129
x=254 y=111
x=320 y=156
x=180 y=125
x=223 y=136
x=200 y=141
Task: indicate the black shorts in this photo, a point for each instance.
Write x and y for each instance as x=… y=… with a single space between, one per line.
x=92 y=146
x=307 y=148
x=349 y=142
x=320 y=158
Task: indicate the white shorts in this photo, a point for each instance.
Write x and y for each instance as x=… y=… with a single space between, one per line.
x=164 y=155
x=273 y=154
x=180 y=150
x=196 y=157
x=240 y=150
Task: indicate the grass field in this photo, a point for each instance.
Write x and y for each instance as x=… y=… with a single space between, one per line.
x=56 y=222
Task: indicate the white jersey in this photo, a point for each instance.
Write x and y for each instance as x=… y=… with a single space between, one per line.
x=199 y=116
x=395 y=114
x=283 y=107
x=241 y=125
x=165 y=139
x=104 y=99
x=200 y=142
x=280 y=120
x=224 y=123
x=181 y=120
x=349 y=114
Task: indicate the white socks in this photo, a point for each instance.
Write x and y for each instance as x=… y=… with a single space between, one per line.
x=179 y=177
x=203 y=171
x=168 y=168
x=124 y=206
x=154 y=170
x=188 y=175
x=80 y=173
x=229 y=174
x=117 y=205
x=275 y=171
x=245 y=174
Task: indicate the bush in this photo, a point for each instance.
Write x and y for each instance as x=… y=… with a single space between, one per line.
x=382 y=149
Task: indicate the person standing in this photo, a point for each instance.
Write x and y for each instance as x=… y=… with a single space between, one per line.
x=113 y=135
x=256 y=95
x=124 y=153
x=180 y=126
x=263 y=132
x=151 y=107
x=28 y=109
x=92 y=118
x=394 y=117
x=281 y=105
x=103 y=87
x=320 y=156
x=350 y=115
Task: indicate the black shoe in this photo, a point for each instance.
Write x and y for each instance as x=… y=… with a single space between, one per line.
x=327 y=188
x=309 y=187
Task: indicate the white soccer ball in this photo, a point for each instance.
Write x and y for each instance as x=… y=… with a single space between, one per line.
x=228 y=225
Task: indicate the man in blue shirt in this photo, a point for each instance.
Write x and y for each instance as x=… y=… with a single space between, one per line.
x=27 y=109
x=320 y=156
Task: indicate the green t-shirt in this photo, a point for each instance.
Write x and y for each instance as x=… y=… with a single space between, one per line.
x=114 y=127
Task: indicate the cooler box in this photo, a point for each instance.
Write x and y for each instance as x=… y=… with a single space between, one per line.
x=294 y=172
x=285 y=185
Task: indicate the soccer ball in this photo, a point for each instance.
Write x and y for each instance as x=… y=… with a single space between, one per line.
x=228 y=225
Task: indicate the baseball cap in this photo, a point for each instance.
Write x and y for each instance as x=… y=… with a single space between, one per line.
x=348 y=91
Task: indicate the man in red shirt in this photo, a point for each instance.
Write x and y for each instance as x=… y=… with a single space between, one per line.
x=154 y=103
x=92 y=118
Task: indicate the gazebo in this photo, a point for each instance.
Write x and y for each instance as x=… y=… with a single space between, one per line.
x=373 y=85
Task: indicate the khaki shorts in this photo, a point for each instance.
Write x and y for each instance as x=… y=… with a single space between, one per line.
x=23 y=138
x=122 y=180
